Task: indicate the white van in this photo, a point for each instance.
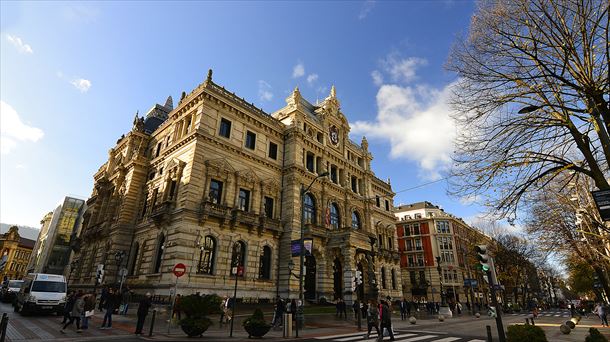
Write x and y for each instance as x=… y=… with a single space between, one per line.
x=41 y=293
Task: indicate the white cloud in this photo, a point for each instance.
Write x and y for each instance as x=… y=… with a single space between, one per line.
x=470 y=199
x=19 y=44
x=264 y=91
x=366 y=8
x=20 y=166
x=81 y=84
x=298 y=70
x=377 y=78
x=415 y=121
x=402 y=69
x=312 y=78
x=13 y=130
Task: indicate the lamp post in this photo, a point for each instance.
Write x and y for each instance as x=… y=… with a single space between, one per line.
x=301 y=250
x=119 y=256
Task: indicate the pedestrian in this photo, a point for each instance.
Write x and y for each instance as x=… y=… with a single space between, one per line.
x=177 y=311
x=338 y=308
x=228 y=309
x=68 y=307
x=111 y=304
x=89 y=300
x=386 y=320
x=343 y=308
x=278 y=313
x=602 y=312
x=356 y=307
x=143 y=308
x=76 y=313
x=459 y=308
x=103 y=297
x=223 y=308
x=125 y=299
x=372 y=318
x=403 y=309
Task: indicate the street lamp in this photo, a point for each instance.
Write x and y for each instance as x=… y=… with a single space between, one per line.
x=302 y=247
x=119 y=256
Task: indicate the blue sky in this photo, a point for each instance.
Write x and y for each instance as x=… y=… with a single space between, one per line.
x=74 y=74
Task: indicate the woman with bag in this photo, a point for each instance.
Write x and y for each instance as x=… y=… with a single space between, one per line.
x=372 y=318
x=76 y=313
x=89 y=309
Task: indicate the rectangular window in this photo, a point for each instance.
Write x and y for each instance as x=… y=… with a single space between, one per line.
x=407 y=230
x=416 y=229
x=412 y=277
x=411 y=261
x=377 y=201
x=380 y=241
x=225 y=128
x=409 y=245
x=420 y=260
x=442 y=227
x=215 y=193
x=389 y=243
x=244 y=200
x=172 y=189
x=268 y=207
x=272 y=150
x=418 y=244
x=309 y=162
x=387 y=205
x=158 y=150
x=250 y=140
x=333 y=174
x=354 y=184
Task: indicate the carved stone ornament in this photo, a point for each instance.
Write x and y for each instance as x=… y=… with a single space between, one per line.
x=333 y=135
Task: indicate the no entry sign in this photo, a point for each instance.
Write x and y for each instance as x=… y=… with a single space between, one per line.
x=179 y=270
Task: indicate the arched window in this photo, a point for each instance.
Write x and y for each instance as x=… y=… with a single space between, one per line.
x=393 y=279
x=264 y=270
x=207 y=255
x=383 y=283
x=355 y=220
x=335 y=219
x=309 y=209
x=238 y=257
x=133 y=257
x=159 y=257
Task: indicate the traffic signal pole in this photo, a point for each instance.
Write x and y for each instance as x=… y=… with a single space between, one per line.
x=494 y=302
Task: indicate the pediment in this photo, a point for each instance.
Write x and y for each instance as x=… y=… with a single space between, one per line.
x=220 y=165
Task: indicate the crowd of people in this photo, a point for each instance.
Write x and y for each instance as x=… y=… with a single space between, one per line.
x=80 y=307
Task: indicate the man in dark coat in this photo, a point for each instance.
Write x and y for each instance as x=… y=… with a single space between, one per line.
x=386 y=320
x=112 y=302
x=143 y=308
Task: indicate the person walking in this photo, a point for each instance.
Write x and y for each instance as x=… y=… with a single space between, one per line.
x=278 y=314
x=76 y=313
x=343 y=308
x=103 y=297
x=602 y=312
x=386 y=320
x=89 y=301
x=68 y=307
x=355 y=308
x=403 y=309
x=143 y=308
x=372 y=318
x=111 y=304
x=223 y=308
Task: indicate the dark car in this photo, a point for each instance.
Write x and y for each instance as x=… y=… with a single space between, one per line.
x=9 y=290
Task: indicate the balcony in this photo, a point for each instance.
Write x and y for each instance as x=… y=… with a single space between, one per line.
x=267 y=223
x=214 y=210
x=161 y=212
x=244 y=217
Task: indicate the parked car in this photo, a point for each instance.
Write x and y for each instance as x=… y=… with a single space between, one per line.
x=9 y=290
x=41 y=293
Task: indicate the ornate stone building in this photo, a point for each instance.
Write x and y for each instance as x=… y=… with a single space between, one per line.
x=217 y=183
x=15 y=252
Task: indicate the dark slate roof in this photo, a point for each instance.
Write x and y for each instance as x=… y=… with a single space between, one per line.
x=27 y=243
x=152 y=123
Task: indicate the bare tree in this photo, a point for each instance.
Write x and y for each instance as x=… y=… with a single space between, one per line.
x=532 y=99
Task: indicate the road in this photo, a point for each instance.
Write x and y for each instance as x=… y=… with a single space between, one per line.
x=321 y=328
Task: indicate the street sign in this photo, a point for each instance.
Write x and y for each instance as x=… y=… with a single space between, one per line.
x=602 y=201
x=179 y=270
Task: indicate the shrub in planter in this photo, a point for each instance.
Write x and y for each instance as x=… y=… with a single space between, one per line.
x=196 y=308
x=255 y=325
x=529 y=333
x=595 y=336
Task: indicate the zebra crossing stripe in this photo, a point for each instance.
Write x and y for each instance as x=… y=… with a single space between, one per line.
x=447 y=339
x=475 y=340
x=340 y=335
x=416 y=338
x=362 y=336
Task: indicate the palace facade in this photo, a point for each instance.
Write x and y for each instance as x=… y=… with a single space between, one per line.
x=219 y=185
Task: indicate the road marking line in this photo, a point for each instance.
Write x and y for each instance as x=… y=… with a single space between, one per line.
x=476 y=340
x=416 y=338
x=447 y=339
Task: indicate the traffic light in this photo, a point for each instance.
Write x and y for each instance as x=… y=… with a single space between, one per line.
x=483 y=257
x=358 y=278
x=354 y=285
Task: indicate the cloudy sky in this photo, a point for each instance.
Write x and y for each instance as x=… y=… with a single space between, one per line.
x=74 y=74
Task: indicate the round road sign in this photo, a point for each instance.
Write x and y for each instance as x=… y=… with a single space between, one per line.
x=179 y=270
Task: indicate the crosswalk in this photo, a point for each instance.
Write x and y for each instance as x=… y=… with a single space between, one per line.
x=401 y=336
x=564 y=314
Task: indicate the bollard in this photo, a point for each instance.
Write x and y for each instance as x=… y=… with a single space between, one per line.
x=489 y=339
x=412 y=320
x=3 y=326
x=152 y=323
x=564 y=329
x=287 y=325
